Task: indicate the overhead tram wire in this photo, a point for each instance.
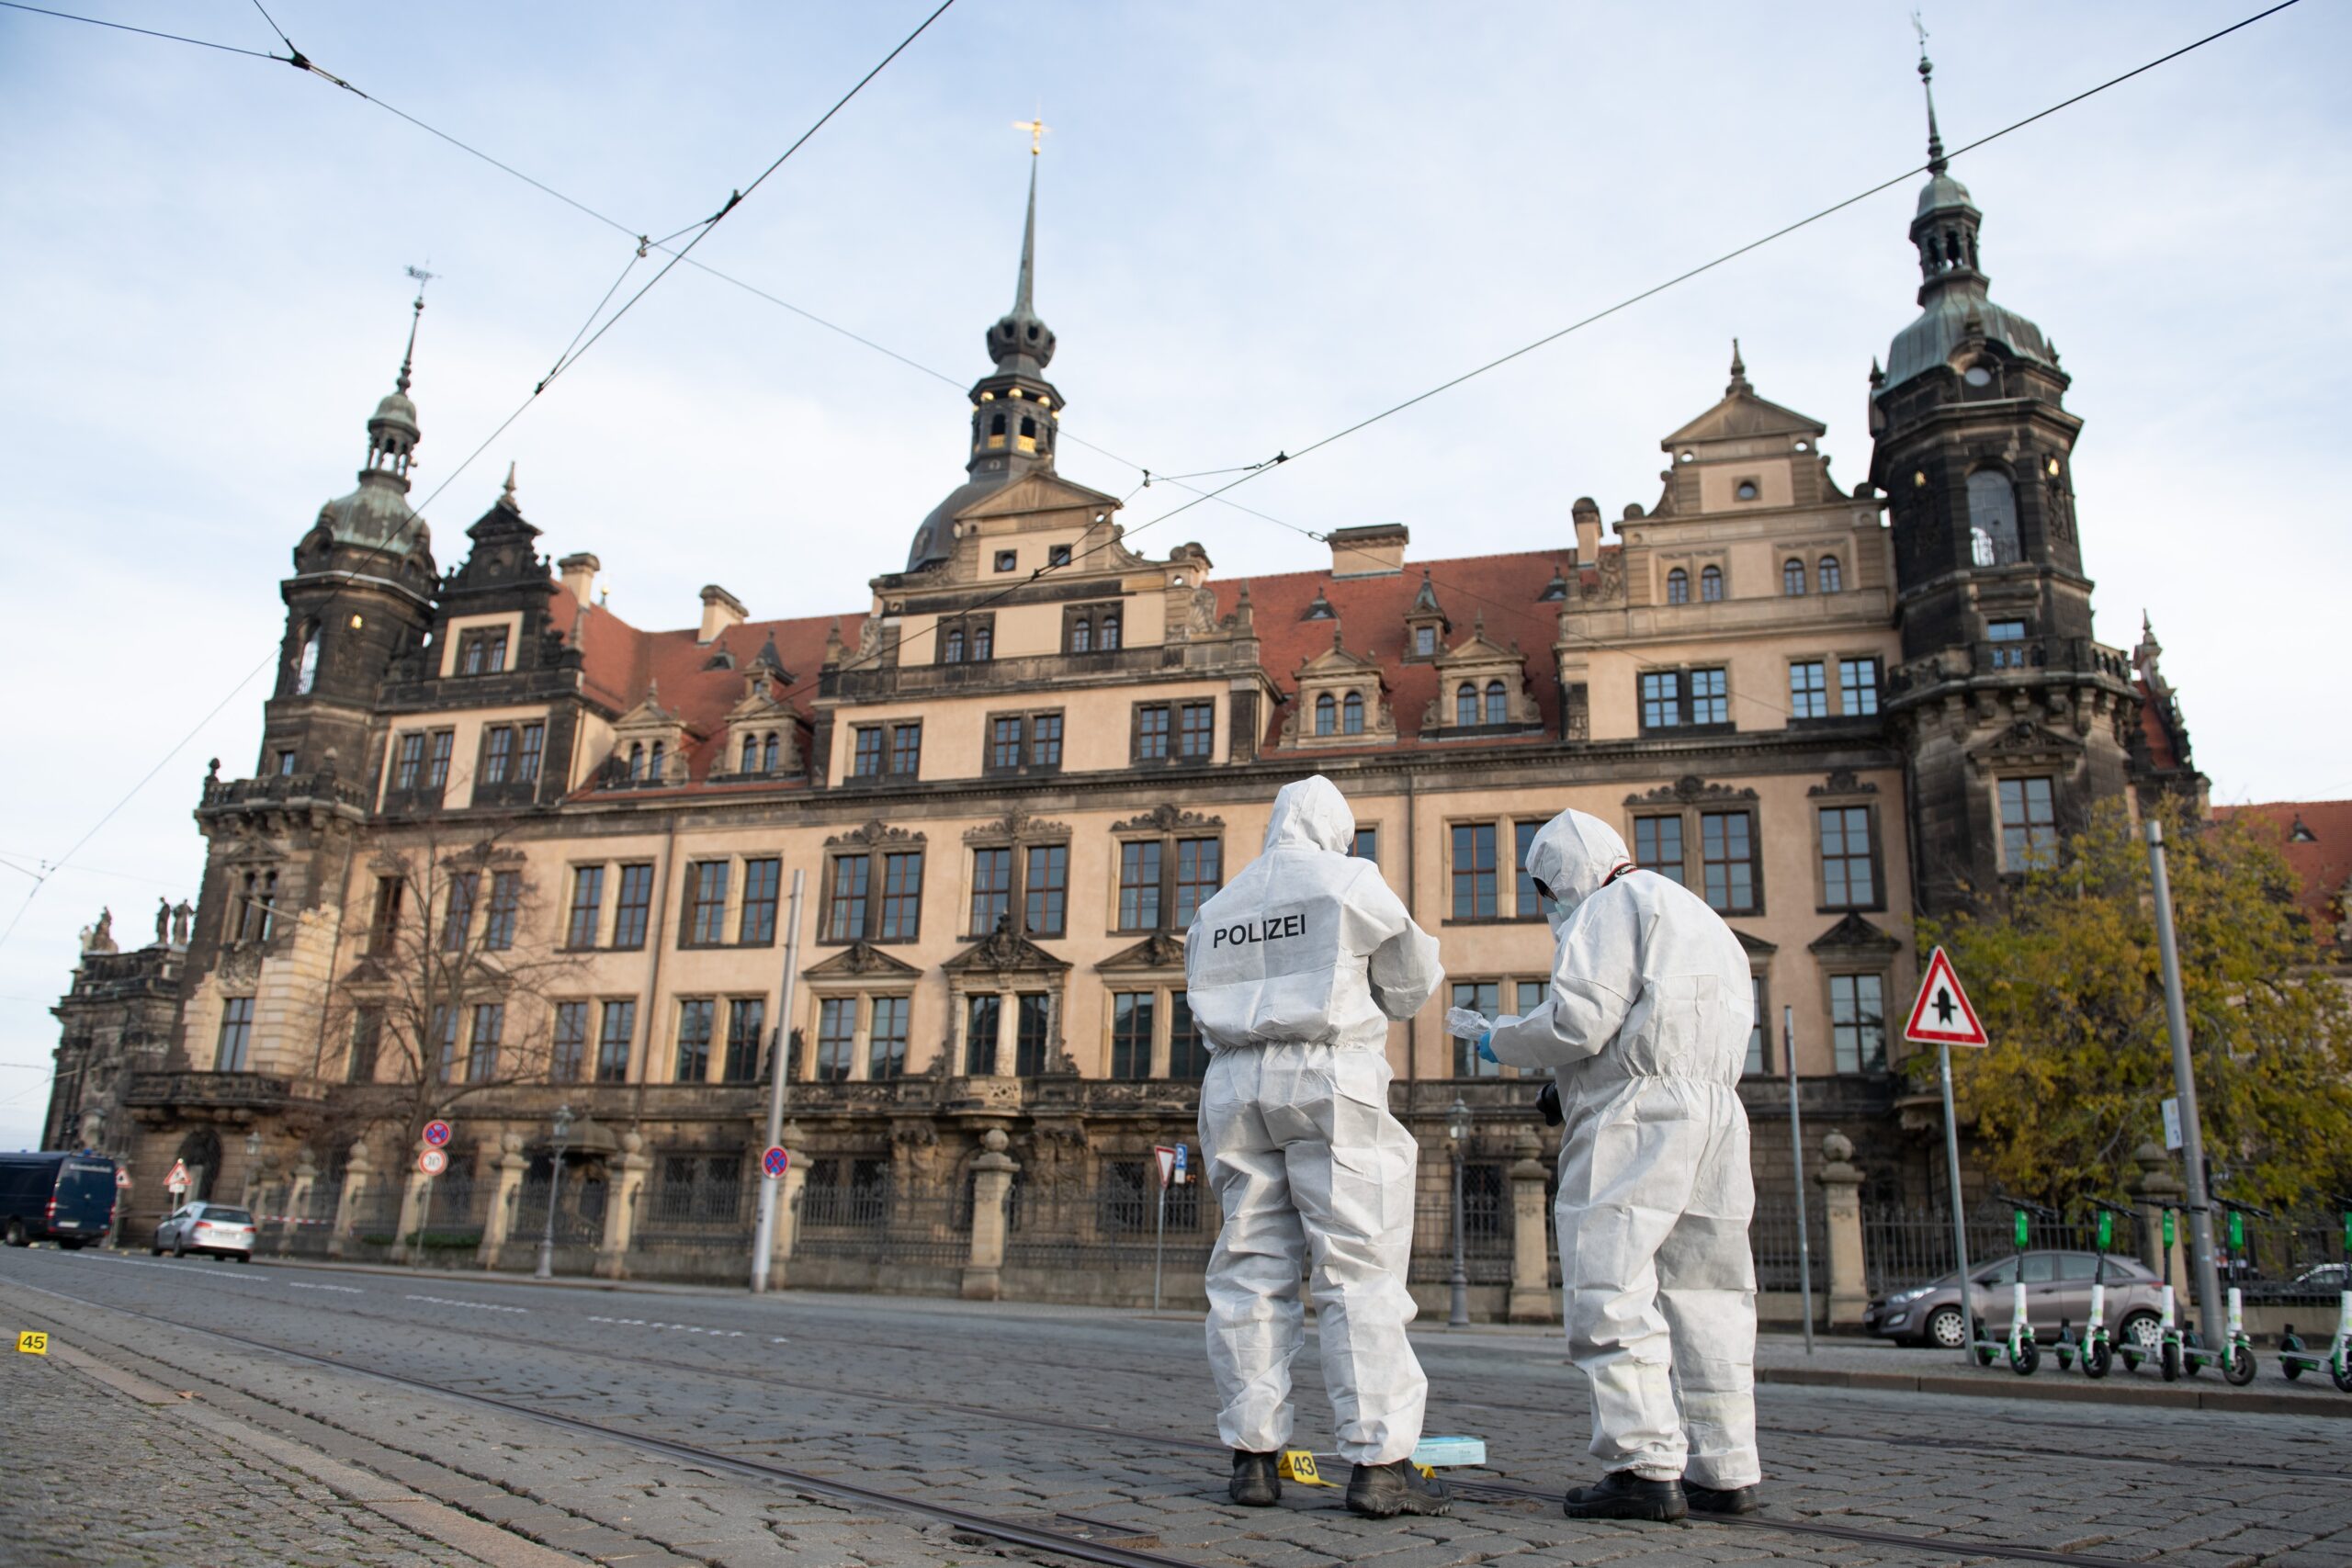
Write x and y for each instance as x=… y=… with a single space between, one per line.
x=144 y=32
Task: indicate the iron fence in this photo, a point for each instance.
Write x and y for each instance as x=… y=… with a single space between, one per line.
x=884 y=1222
x=1772 y=1240
x=1110 y=1226
x=1486 y=1227
x=2290 y=1259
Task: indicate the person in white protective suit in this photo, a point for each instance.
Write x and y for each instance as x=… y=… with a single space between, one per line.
x=1294 y=971
x=1645 y=1027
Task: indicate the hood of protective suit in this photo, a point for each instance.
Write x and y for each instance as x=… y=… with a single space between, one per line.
x=1573 y=855
x=1312 y=813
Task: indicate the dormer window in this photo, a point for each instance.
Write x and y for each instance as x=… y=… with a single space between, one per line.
x=1678 y=586
x=1498 y=703
x=1424 y=641
x=750 y=754
x=1466 y=704
x=1352 y=714
x=1326 y=714
x=482 y=651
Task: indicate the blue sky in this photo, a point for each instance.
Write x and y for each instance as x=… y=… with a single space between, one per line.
x=1257 y=224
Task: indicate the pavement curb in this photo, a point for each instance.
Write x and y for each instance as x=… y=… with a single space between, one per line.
x=2169 y=1397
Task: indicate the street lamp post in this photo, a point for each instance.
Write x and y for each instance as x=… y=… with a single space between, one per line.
x=1457 y=1137
x=545 y=1270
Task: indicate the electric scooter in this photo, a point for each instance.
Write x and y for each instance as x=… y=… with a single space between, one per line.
x=2097 y=1351
x=2294 y=1359
x=2018 y=1346
x=2234 y=1353
x=2169 y=1350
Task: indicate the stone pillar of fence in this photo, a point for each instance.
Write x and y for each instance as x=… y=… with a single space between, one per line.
x=786 y=1230
x=298 y=1191
x=1841 y=1214
x=498 y=1224
x=2150 y=1190
x=1531 y=1251
x=992 y=1171
x=356 y=1173
x=620 y=1212
x=415 y=1193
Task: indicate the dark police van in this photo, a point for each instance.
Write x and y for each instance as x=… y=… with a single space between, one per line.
x=64 y=1198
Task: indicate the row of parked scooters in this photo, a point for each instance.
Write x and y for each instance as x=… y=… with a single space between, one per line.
x=2178 y=1351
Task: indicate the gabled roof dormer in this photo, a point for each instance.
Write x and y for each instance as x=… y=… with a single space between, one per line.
x=762 y=730
x=1426 y=626
x=650 y=745
x=1481 y=689
x=1342 y=701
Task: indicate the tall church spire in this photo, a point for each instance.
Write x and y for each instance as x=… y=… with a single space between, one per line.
x=1936 y=162
x=1021 y=343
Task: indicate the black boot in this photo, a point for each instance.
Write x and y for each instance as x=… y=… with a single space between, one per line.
x=1385 y=1491
x=1256 y=1483
x=1720 y=1499
x=1621 y=1494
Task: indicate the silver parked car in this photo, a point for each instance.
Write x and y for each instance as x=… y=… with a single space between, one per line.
x=215 y=1230
x=2057 y=1289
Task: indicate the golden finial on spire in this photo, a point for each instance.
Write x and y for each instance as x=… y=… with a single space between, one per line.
x=1037 y=127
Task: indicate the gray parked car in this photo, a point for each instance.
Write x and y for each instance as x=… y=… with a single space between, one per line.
x=211 y=1228
x=2057 y=1288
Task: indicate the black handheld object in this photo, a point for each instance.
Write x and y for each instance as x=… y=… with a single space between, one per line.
x=1547 y=1101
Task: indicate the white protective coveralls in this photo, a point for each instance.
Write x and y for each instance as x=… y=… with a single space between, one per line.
x=1294 y=971
x=1645 y=1027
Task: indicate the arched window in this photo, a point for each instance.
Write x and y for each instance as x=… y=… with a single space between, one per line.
x=653 y=760
x=1832 y=576
x=1326 y=714
x=1710 y=583
x=996 y=427
x=306 y=662
x=1993 y=518
x=1678 y=586
x=1466 y=704
x=1028 y=428
x=952 y=648
x=636 y=760
x=768 y=753
x=1081 y=636
x=1109 y=638
x=1351 y=713
x=751 y=751
x=1498 y=703
x=983 y=642
x=1792 y=578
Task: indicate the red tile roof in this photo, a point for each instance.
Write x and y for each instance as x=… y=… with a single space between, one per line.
x=2152 y=730
x=2324 y=864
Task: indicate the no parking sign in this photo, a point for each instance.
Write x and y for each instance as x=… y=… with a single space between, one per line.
x=776 y=1161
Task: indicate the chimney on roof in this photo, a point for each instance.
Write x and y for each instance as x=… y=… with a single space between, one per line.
x=1587 y=520
x=580 y=574
x=1376 y=549
x=720 y=610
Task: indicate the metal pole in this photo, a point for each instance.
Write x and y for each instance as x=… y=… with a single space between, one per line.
x=763 y=1237
x=546 y=1270
x=423 y=1224
x=1796 y=1149
x=1959 y=1209
x=2184 y=1077
x=1159 y=1245
x=1458 y=1315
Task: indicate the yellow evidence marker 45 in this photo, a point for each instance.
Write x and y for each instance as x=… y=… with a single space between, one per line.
x=33 y=1342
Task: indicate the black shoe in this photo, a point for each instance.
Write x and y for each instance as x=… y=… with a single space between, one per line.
x=1385 y=1491
x=1721 y=1499
x=1256 y=1483
x=1621 y=1494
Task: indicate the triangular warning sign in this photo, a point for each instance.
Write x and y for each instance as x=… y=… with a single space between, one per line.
x=1941 y=1016
x=1167 y=1158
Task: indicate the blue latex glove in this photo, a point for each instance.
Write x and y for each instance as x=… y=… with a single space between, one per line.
x=1485 y=1050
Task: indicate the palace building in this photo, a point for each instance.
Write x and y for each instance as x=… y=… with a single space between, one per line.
x=502 y=850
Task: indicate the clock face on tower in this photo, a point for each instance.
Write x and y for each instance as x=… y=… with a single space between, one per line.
x=1977 y=376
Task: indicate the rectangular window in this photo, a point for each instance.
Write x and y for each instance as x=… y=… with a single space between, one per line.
x=992 y=889
x=1530 y=904
x=1657 y=845
x=757 y=926
x=2008 y=644
x=436 y=762
x=1486 y=996
x=366 y=1040
x=1046 y=740
x=747 y=1019
x=901 y=897
x=906 y=749
x=633 y=906
x=384 y=925
x=1006 y=746
x=1808 y=690
x=2028 y=823
x=1366 y=845
x=285 y=764
x=441 y=1039
x=409 y=770
x=497 y=753
x=982 y=1016
x=867 y=762
x=1848 y=881
x=458 y=916
x=1195 y=731
x=1710 y=697
x=1139 y=865
x=836 y=1038
x=614 y=1039
x=236 y=1035
x=1857 y=1023
x=1047 y=891
x=1857 y=687
x=526 y=756
x=1473 y=871
x=1200 y=871
x=506 y=908
x=1756 y=1053
x=482 y=1049
x=587 y=907
x=706 y=902
x=1188 y=1051
x=569 y=1050
x=1131 y=1028
x=886 y=1049
x=1531 y=994
x=1032 y=1017
x=1661 y=700
x=696 y=1016
x=1152 y=731
x=845 y=911
x=1727 y=857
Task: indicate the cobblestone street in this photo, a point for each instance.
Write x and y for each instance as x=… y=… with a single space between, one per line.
x=647 y=1427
